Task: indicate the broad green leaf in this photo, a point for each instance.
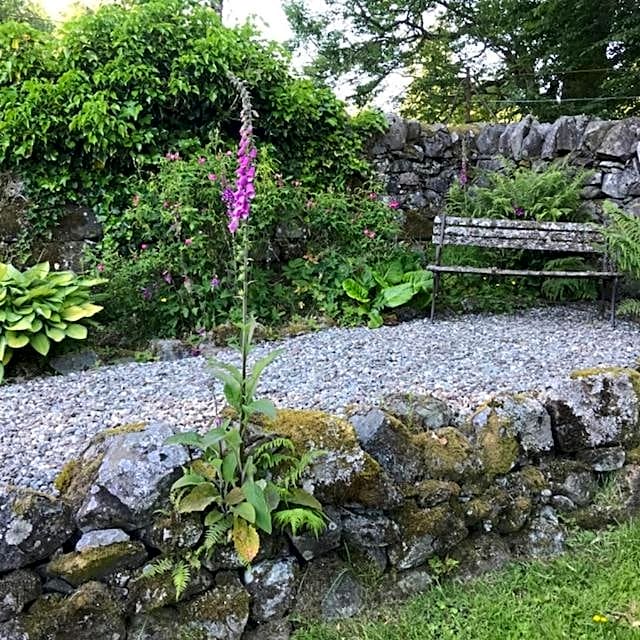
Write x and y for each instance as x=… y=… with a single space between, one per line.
x=24 y=324
x=213 y=437
x=187 y=480
x=7 y=356
x=188 y=438
x=301 y=497
x=356 y=290
x=17 y=340
x=57 y=335
x=264 y=406
x=3 y=346
x=375 y=319
x=272 y=496
x=76 y=331
x=40 y=343
x=199 y=498
x=257 y=369
x=229 y=467
x=394 y=272
x=398 y=295
x=235 y=496
x=256 y=497
x=73 y=313
x=212 y=517
x=246 y=511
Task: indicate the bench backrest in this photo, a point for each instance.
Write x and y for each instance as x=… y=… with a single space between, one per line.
x=518 y=234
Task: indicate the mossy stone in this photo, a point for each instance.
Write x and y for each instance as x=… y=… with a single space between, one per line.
x=79 y=567
x=88 y=614
x=497 y=442
x=430 y=493
x=632 y=374
x=447 y=454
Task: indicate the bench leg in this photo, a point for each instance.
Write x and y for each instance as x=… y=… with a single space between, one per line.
x=436 y=283
x=614 y=288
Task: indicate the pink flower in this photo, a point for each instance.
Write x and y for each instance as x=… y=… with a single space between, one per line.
x=310 y=204
x=215 y=282
x=144 y=246
x=201 y=160
x=373 y=196
x=166 y=204
x=188 y=241
x=296 y=183
x=136 y=200
x=213 y=177
x=394 y=204
x=100 y=267
x=229 y=153
x=370 y=234
x=166 y=276
x=172 y=156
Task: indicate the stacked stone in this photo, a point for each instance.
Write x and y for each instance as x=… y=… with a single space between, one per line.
x=419 y=163
x=409 y=490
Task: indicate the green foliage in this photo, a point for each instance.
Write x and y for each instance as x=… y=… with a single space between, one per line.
x=38 y=307
x=551 y=599
x=622 y=234
x=552 y=194
x=630 y=308
x=563 y=289
x=521 y=55
x=388 y=286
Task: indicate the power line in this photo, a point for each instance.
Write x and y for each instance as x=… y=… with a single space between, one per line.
x=602 y=98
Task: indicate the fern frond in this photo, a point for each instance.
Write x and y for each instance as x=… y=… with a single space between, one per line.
x=623 y=238
x=292 y=476
x=299 y=519
x=272 y=453
x=158 y=567
x=630 y=308
x=215 y=534
x=181 y=576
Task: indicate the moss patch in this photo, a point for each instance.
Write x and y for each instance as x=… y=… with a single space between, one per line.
x=632 y=374
x=446 y=453
x=498 y=446
x=79 y=567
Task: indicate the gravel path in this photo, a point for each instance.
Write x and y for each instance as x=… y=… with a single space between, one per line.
x=45 y=421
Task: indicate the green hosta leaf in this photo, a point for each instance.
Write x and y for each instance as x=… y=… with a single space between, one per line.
x=187 y=480
x=265 y=407
x=7 y=356
x=303 y=498
x=40 y=343
x=57 y=335
x=199 y=498
x=73 y=312
x=76 y=331
x=3 y=346
x=1 y=372
x=398 y=295
x=17 y=340
x=24 y=324
x=356 y=290
x=246 y=511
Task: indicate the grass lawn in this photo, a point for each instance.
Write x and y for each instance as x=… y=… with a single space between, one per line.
x=591 y=592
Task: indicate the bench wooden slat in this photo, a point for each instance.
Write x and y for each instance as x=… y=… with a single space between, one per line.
x=506 y=223
x=524 y=234
x=489 y=271
x=519 y=243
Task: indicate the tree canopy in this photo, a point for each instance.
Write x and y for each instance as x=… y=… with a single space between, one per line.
x=482 y=58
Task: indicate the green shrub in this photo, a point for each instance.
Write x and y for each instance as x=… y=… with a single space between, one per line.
x=552 y=194
x=38 y=307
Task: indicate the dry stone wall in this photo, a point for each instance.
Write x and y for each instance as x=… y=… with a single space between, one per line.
x=418 y=163
x=408 y=486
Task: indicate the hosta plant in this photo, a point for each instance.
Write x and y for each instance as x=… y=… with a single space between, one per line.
x=391 y=285
x=39 y=307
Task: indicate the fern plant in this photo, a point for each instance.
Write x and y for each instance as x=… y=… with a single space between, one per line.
x=559 y=289
x=630 y=308
x=622 y=234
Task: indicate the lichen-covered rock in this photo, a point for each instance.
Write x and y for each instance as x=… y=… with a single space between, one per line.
x=596 y=408
x=32 y=526
x=89 y=613
x=480 y=554
x=274 y=630
x=147 y=593
x=497 y=440
x=390 y=444
x=603 y=460
x=17 y=590
x=418 y=412
x=272 y=587
x=173 y=532
x=424 y=533
x=219 y=614
x=344 y=473
x=101 y=538
x=544 y=537
x=13 y=630
x=370 y=534
x=621 y=140
x=95 y=563
x=430 y=493
x=130 y=474
x=578 y=486
x=447 y=454
x=329 y=590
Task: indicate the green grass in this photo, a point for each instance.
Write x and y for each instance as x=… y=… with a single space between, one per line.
x=600 y=575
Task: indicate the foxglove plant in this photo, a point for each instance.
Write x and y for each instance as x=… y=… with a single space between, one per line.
x=241 y=487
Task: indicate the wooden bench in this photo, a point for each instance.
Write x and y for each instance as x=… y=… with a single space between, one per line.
x=564 y=237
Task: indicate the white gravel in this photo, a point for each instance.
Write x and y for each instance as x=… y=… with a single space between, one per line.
x=45 y=421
